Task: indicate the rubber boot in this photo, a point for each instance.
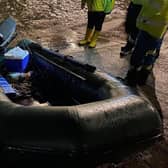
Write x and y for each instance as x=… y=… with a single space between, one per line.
x=92 y=44
x=87 y=38
x=131 y=77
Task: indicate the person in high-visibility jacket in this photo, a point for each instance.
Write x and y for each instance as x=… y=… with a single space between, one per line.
x=96 y=16
x=152 y=23
x=131 y=29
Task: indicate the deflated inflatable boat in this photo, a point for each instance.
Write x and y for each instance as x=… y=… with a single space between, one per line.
x=105 y=115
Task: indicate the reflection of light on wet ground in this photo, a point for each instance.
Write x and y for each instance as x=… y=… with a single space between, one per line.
x=73 y=46
x=105 y=58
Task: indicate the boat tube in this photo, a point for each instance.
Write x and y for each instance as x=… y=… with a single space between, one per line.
x=105 y=113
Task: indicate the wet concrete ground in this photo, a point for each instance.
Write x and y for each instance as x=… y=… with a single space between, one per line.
x=59 y=25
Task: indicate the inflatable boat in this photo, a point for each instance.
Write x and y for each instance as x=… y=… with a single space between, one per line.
x=100 y=115
x=103 y=113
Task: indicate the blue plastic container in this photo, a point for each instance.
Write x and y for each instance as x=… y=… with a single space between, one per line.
x=6 y=87
x=16 y=60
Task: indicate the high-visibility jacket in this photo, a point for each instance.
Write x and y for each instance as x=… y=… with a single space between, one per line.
x=96 y=5
x=153 y=17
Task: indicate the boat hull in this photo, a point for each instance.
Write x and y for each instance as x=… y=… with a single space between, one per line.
x=112 y=117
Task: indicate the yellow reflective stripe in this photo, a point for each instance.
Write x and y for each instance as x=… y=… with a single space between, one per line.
x=149 y=67
x=151 y=52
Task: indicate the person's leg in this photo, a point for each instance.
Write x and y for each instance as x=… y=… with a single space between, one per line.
x=142 y=58
x=131 y=17
x=130 y=28
x=99 y=19
x=89 y=30
x=150 y=58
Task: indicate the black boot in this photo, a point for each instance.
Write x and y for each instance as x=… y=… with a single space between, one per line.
x=131 y=77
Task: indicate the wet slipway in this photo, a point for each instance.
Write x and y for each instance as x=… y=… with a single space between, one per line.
x=59 y=25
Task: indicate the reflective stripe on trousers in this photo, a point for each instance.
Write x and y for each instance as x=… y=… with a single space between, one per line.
x=146 y=50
